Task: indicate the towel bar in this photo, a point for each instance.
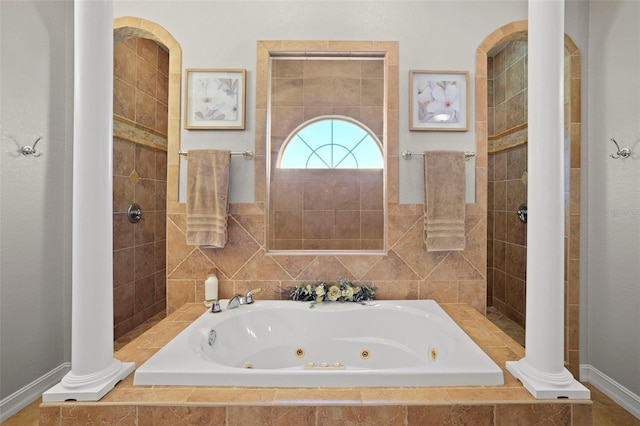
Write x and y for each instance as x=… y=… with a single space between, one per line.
x=247 y=154
x=406 y=154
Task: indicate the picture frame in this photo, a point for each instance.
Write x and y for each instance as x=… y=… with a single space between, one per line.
x=439 y=100
x=214 y=98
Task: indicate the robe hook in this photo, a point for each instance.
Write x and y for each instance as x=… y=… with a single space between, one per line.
x=624 y=152
x=31 y=150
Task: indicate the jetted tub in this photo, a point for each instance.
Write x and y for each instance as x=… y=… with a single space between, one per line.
x=289 y=344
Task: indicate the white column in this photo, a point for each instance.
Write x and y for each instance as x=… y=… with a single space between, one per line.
x=94 y=370
x=542 y=369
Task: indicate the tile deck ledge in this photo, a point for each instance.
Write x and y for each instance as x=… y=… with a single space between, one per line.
x=500 y=347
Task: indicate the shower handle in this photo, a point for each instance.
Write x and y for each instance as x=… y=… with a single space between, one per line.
x=522 y=212
x=134 y=213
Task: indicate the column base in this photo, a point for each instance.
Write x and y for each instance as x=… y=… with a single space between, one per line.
x=72 y=388
x=542 y=387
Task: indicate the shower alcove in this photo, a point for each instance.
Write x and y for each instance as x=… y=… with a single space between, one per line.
x=141 y=73
x=506 y=125
x=147 y=75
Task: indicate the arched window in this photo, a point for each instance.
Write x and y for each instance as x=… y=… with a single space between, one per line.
x=331 y=142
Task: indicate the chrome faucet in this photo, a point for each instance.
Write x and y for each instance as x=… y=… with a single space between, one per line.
x=238 y=299
x=215 y=306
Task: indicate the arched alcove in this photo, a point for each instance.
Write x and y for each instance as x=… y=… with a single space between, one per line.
x=518 y=31
x=127 y=27
x=131 y=27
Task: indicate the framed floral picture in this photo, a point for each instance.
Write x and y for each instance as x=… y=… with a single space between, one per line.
x=214 y=98
x=438 y=100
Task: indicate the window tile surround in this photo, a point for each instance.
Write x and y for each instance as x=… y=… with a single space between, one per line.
x=333 y=209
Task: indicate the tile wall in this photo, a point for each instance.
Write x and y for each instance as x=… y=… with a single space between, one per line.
x=507 y=85
x=507 y=235
x=407 y=271
x=572 y=204
x=507 y=189
x=444 y=277
x=139 y=272
x=141 y=84
x=325 y=209
x=504 y=146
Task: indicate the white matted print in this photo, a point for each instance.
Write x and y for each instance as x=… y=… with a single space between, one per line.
x=214 y=99
x=438 y=100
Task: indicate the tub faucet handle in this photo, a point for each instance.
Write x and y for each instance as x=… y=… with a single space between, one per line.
x=249 y=297
x=215 y=306
x=236 y=301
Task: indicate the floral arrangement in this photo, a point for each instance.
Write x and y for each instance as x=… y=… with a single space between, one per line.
x=341 y=290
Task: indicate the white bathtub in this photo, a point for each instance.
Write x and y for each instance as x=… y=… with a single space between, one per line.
x=289 y=344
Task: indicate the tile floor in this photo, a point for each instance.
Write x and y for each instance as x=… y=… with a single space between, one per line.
x=605 y=411
x=136 y=332
x=511 y=328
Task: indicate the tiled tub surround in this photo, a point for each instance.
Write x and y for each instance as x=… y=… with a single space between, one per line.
x=440 y=279
x=159 y=405
x=327 y=210
x=406 y=271
x=269 y=343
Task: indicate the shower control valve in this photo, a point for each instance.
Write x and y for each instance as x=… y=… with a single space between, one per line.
x=134 y=213
x=522 y=212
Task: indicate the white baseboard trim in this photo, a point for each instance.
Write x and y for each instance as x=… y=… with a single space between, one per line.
x=614 y=390
x=25 y=396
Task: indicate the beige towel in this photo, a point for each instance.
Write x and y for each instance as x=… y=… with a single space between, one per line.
x=444 y=210
x=207 y=197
